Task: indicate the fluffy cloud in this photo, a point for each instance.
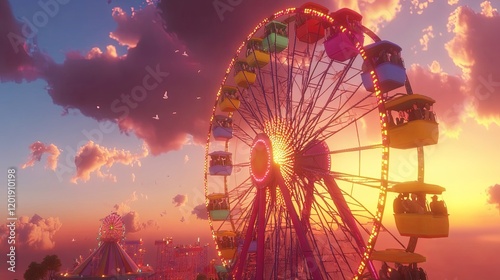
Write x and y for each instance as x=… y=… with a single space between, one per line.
x=473 y=33
x=36 y=232
x=418 y=6
x=92 y=157
x=200 y=211
x=38 y=149
x=448 y=91
x=494 y=195
x=179 y=200
x=375 y=13
x=17 y=64
x=132 y=222
x=426 y=37
x=128 y=89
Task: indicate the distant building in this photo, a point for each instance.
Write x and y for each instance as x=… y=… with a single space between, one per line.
x=179 y=262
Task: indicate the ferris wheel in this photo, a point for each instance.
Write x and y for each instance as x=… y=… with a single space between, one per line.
x=112 y=228
x=297 y=155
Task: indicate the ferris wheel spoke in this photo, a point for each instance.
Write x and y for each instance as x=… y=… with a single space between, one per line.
x=357 y=149
x=324 y=133
x=258 y=111
x=333 y=88
x=343 y=117
x=368 y=216
x=240 y=133
x=359 y=179
x=240 y=261
x=261 y=229
x=334 y=242
x=346 y=215
x=250 y=118
x=275 y=66
x=308 y=201
x=239 y=196
x=339 y=151
x=317 y=116
x=301 y=235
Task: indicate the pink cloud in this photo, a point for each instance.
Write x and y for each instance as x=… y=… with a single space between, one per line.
x=375 y=13
x=200 y=211
x=91 y=157
x=17 y=64
x=179 y=200
x=38 y=149
x=471 y=48
x=132 y=222
x=128 y=89
x=494 y=195
x=36 y=232
x=426 y=37
x=447 y=90
x=418 y=6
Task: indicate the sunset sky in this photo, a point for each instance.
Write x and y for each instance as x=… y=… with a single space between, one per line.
x=81 y=151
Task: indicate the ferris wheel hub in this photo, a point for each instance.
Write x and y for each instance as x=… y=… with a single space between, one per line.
x=315 y=156
x=261 y=160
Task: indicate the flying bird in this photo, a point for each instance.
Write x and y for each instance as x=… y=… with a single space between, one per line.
x=163 y=213
x=176 y=51
x=174 y=113
x=156 y=117
x=165 y=95
x=182 y=219
x=185 y=53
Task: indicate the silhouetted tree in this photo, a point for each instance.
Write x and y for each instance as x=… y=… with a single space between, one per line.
x=51 y=264
x=45 y=270
x=35 y=271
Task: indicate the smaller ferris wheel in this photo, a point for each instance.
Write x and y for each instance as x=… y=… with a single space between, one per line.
x=112 y=228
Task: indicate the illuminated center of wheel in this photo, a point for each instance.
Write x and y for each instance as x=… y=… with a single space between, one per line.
x=272 y=148
x=279 y=133
x=261 y=159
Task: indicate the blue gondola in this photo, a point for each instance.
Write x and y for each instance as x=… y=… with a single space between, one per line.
x=220 y=163
x=222 y=128
x=385 y=56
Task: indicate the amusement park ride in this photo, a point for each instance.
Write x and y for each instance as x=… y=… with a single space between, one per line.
x=298 y=154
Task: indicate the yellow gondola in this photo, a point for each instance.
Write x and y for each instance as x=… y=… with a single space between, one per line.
x=244 y=74
x=226 y=241
x=432 y=222
x=256 y=56
x=416 y=124
x=397 y=256
x=229 y=100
